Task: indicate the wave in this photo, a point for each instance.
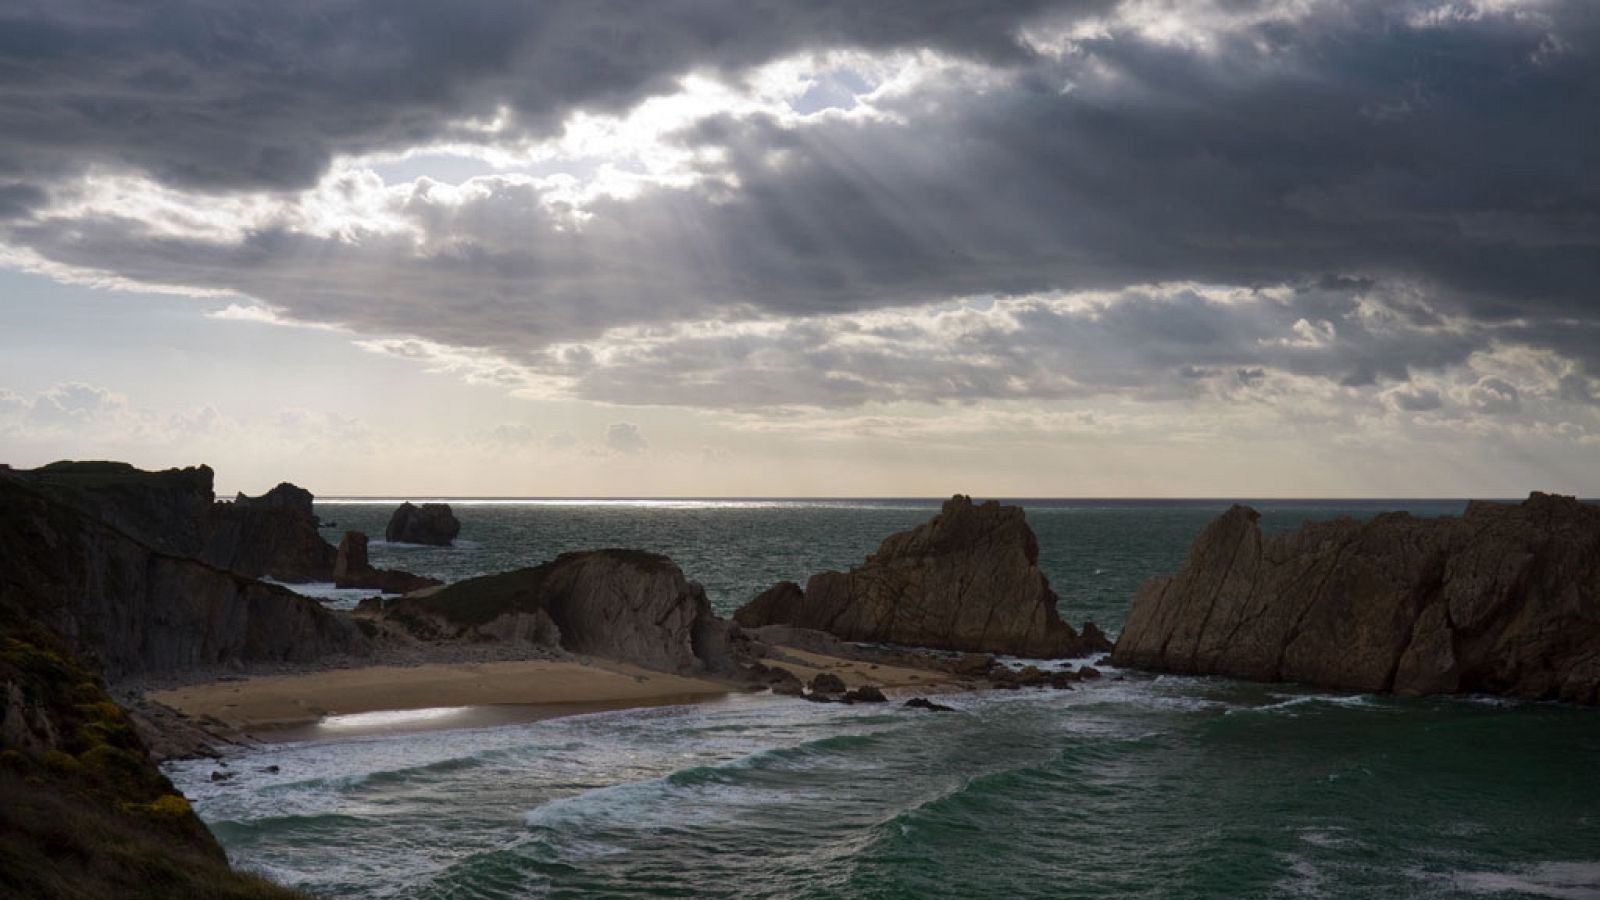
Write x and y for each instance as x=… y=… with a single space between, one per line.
x=1564 y=880
x=1291 y=705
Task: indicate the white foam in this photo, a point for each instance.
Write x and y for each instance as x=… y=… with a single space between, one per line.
x=1563 y=880
x=331 y=596
x=391 y=718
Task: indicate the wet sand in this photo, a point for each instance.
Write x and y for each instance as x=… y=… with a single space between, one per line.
x=281 y=702
x=342 y=703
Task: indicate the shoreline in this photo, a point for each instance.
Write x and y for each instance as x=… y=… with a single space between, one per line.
x=376 y=699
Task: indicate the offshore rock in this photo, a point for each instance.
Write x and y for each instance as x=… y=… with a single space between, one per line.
x=617 y=604
x=430 y=523
x=351 y=569
x=130 y=609
x=1504 y=599
x=967 y=580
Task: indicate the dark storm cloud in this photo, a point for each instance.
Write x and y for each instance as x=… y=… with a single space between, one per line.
x=1437 y=156
x=263 y=93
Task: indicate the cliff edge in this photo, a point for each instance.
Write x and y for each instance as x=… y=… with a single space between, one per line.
x=1504 y=599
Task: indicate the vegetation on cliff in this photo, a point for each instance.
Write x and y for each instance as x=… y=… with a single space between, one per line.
x=84 y=812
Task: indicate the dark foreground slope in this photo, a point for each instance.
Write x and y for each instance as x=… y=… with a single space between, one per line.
x=1505 y=600
x=84 y=812
x=968 y=579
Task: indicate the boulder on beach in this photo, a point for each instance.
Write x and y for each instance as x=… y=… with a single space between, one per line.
x=967 y=580
x=1504 y=599
x=827 y=683
x=353 y=570
x=430 y=523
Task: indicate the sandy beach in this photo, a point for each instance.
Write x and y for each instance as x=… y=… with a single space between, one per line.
x=282 y=701
x=291 y=707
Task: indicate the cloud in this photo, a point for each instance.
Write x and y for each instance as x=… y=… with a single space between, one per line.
x=66 y=405
x=624 y=437
x=1244 y=202
x=1495 y=396
x=264 y=94
x=1150 y=342
x=1418 y=400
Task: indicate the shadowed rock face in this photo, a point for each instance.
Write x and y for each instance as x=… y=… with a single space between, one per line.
x=175 y=511
x=1505 y=599
x=617 y=604
x=271 y=536
x=966 y=580
x=129 y=609
x=430 y=523
x=352 y=570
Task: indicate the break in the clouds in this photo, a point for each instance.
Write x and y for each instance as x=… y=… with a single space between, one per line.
x=1388 y=207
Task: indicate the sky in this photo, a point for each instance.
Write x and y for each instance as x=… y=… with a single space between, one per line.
x=1209 y=248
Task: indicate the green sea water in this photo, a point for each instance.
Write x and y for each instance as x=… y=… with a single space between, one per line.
x=1139 y=787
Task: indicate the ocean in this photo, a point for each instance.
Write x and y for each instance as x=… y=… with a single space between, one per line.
x=1135 y=786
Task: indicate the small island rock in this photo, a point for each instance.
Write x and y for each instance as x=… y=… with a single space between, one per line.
x=430 y=523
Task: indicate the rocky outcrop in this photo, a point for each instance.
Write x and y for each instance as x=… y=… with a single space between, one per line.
x=351 y=569
x=271 y=536
x=430 y=523
x=131 y=609
x=617 y=604
x=1504 y=599
x=175 y=511
x=968 y=579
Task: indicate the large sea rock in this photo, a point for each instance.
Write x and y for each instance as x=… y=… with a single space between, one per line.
x=430 y=523
x=130 y=608
x=1504 y=599
x=968 y=580
x=616 y=604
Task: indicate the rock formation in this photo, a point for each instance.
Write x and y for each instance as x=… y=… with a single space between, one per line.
x=966 y=580
x=1504 y=599
x=617 y=604
x=430 y=523
x=351 y=569
x=271 y=536
x=130 y=609
x=175 y=511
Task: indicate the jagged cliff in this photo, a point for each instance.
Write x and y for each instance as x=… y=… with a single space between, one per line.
x=176 y=511
x=617 y=604
x=968 y=580
x=130 y=608
x=1504 y=599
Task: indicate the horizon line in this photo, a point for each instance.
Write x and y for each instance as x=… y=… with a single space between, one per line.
x=856 y=498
